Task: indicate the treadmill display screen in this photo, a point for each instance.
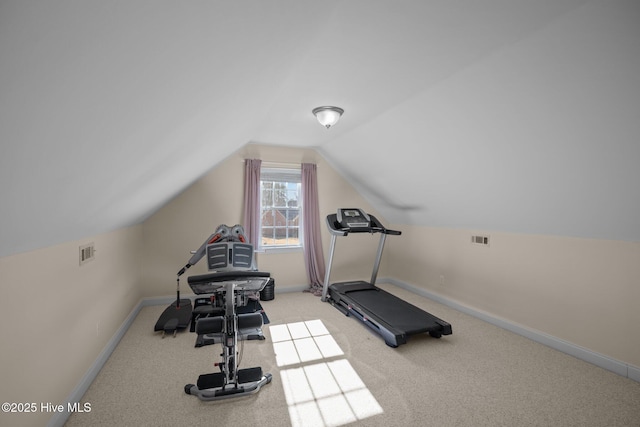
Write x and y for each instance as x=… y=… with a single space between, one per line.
x=353 y=218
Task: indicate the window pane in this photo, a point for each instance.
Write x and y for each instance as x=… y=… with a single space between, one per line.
x=280 y=207
x=293 y=236
x=268 y=236
x=267 y=194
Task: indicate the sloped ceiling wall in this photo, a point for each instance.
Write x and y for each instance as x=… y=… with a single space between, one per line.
x=512 y=115
x=541 y=136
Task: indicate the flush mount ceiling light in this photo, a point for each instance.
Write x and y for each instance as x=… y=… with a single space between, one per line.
x=328 y=116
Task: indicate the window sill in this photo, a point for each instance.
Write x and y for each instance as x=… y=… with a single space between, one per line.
x=279 y=250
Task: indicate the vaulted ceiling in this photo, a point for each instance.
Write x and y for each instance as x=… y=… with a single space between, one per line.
x=513 y=115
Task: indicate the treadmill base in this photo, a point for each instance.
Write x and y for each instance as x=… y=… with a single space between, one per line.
x=384 y=313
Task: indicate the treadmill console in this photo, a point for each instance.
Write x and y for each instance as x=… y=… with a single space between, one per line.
x=353 y=219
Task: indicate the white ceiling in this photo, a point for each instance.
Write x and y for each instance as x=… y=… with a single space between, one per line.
x=514 y=115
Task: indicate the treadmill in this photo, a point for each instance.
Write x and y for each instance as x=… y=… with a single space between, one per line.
x=386 y=314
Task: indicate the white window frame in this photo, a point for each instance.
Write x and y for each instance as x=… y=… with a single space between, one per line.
x=289 y=174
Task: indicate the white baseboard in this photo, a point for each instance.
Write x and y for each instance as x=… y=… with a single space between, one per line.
x=60 y=418
x=605 y=362
x=290 y=289
x=168 y=299
x=620 y=368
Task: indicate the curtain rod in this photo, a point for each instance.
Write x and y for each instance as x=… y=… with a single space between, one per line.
x=280 y=165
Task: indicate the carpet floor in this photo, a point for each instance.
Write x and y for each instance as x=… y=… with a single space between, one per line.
x=330 y=370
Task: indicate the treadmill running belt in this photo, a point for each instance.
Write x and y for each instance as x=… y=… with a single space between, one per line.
x=394 y=311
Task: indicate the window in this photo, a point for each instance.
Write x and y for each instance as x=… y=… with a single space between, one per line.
x=280 y=208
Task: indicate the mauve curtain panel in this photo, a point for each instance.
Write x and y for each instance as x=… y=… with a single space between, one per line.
x=312 y=240
x=252 y=201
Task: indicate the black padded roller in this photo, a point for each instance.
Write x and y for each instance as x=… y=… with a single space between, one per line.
x=250 y=321
x=249 y=375
x=207 y=381
x=210 y=325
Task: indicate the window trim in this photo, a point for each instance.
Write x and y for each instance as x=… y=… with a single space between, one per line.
x=287 y=174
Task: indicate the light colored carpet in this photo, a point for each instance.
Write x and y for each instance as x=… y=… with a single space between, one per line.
x=479 y=376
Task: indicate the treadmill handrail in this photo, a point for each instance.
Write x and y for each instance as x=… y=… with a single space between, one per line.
x=338 y=229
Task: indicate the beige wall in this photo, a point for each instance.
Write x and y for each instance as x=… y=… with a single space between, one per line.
x=58 y=316
x=217 y=198
x=580 y=290
x=583 y=291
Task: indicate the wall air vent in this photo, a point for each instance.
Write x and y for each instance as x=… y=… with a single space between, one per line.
x=480 y=240
x=87 y=253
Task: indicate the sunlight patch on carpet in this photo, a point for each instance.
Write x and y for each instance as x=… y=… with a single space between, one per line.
x=318 y=392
